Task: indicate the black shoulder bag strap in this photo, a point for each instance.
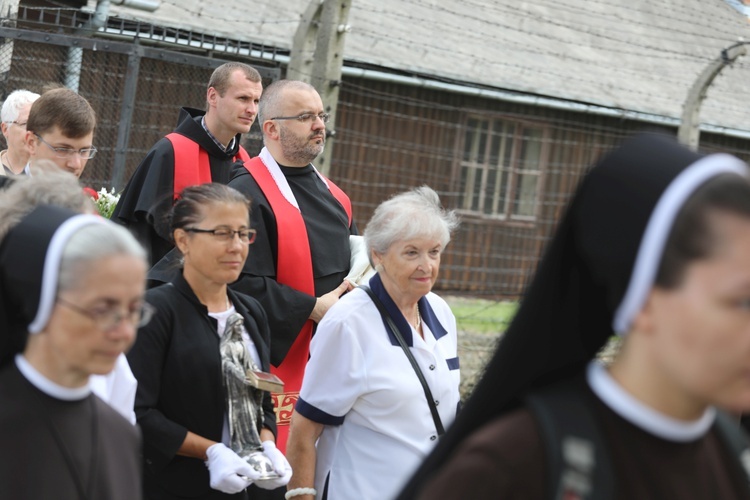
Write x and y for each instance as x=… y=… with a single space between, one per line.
x=734 y=437
x=577 y=459
x=410 y=356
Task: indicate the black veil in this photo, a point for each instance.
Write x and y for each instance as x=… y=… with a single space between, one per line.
x=567 y=312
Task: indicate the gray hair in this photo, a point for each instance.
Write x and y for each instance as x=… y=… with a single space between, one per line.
x=47 y=186
x=51 y=186
x=273 y=97
x=408 y=215
x=14 y=102
x=90 y=243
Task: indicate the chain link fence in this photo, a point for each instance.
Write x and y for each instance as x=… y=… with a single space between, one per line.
x=136 y=91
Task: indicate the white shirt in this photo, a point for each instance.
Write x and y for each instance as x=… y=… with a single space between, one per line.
x=361 y=385
x=117 y=388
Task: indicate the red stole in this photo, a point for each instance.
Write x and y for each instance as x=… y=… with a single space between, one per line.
x=294 y=269
x=191 y=164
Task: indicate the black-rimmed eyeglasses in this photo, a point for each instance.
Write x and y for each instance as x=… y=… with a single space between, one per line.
x=226 y=235
x=85 y=153
x=107 y=320
x=306 y=117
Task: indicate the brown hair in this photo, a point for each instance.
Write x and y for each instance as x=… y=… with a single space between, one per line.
x=188 y=209
x=692 y=237
x=64 y=109
x=221 y=75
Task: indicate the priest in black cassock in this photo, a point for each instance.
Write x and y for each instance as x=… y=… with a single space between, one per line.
x=297 y=265
x=203 y=148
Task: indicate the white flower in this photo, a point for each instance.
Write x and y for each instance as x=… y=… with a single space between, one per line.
x=106 y=202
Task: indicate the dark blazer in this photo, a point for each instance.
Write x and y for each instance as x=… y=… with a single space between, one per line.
x=177 y=363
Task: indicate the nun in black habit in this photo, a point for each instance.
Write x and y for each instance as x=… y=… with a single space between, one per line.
x=654 y=246
x=71 y=290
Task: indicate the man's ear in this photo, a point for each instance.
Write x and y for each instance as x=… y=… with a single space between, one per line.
x=270 y=129
x=211 y=96
x=30 y=140
x=4 y=128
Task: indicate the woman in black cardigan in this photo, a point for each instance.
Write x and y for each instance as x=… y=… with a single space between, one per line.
x=181 y=402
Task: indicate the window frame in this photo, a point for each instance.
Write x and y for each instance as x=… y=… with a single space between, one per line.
x=494 y=123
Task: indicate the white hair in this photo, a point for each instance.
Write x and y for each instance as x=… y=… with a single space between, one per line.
x=47 y=186
x=409 y=215
x=14 y=102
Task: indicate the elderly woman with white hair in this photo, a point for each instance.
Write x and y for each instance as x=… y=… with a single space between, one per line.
x=382 y=380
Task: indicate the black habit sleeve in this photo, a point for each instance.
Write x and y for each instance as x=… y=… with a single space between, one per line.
x=162 y=436
x=146 y=200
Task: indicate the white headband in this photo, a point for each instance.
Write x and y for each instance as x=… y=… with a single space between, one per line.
x=658 y=229
x=52 y=266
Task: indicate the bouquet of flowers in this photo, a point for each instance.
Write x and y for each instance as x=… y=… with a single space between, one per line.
x=104 y=200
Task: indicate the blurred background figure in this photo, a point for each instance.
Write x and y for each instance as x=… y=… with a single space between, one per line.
x=361 y=400
x=14 y=115
x=655 y=246
x=72 y=293
x=181 y=402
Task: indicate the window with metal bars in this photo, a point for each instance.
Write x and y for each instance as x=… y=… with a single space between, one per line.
x=501 y=166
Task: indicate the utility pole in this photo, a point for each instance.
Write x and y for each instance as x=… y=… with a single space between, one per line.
x=8 y=9
x=689 y=131
x=317 y=58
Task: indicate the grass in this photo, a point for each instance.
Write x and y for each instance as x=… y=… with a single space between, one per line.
x=480 y=315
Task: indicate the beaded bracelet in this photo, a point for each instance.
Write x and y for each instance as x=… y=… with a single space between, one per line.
x=296 y=492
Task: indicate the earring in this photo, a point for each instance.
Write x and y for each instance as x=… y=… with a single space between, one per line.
x=378 y=268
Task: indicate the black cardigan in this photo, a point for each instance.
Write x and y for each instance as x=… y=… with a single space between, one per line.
x=177 y=363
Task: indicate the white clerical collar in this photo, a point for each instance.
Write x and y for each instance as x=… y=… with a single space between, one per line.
x=47 y=386
x=628 y=407
x=280 y=179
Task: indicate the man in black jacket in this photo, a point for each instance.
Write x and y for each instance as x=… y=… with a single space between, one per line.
x=203 y=148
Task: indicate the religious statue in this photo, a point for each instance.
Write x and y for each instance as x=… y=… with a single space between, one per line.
x=244 y=408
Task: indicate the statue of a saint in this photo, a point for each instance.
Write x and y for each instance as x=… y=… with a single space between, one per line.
x=244 y=408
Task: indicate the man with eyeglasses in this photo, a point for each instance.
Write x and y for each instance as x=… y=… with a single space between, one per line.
x=14 y=115
x=60 y=129
x=203 y=148
x=297 y=266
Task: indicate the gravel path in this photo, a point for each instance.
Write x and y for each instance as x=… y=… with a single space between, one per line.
x=474 y=350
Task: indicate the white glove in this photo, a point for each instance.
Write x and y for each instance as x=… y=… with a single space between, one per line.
x=280 y=465
x=225 y=468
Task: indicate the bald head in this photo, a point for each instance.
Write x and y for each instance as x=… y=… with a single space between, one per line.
x=272 y=100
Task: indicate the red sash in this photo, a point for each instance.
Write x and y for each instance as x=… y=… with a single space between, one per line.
x=191 y=164
x=294 y=269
